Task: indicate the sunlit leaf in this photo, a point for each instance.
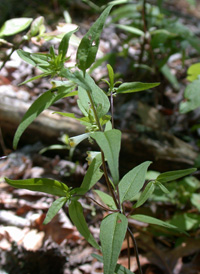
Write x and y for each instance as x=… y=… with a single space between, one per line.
x=135 y=87
x=15 y=25
x=89 y=44
x=40 y=104
x=54 y=208
x=45 y=185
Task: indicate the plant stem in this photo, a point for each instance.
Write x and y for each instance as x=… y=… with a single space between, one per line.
x=102 y=154
x=112 y=109
x=129 y=255
x=105 y=208
x=136 y=250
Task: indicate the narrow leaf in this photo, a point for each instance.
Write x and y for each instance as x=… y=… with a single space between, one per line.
x=93 y=173
x=174 y=175
x=106 y=199
x=133 y=181
x=35 y=78
x=110 y=142
x=162 y=187
x=41 y=184
x=111 y=76
x=154 y=221
x=130 y=29
x=89 y=44
x=135 y=87
x=64 y=44
x=77 y=217
x=40 y=104
x=54 y=208
x=112 y=232
x=119 y=268
x=149 y=189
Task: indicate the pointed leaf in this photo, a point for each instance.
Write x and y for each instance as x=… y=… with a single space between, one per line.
x=154 y=221
x=77 y=217
x=149 y=189
x=135 y=87
x=93 y=173
x=40 y=104
x=54 y=208
x=110 y=142
x=162 y=187
x=64 y=44
x=112 y=232
x=15 y=25
x=41 y=184
x=119 y=268
x=26 y=56
x=106 y=199
x=35 y=78
x=132 y=182
x=111 y=76
x=130 y=29
x=174 y=175
x=89 y=44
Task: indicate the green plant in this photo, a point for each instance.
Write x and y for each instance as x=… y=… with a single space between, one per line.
x=95 y=105
x=158 y=34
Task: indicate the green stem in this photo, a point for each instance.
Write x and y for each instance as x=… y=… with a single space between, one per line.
x=102 y=154
x=13 y=49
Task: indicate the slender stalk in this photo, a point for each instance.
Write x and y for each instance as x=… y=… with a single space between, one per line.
x=9 y=55
x=129 y=254
x=112 y=108
x=136 y=250
x=105 y=208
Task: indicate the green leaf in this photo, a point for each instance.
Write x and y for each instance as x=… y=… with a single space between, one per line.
x=15 y=25
x=110 y=142
x=77 y=217
x=174 y=175
x=170 y=77
x=35 y=78
x=192 y=98
x=89 y=44
x=195 y=200
x=149 y=189
x=186 y=221
x=64 y=44
x=93 y=173
x=54 y=208
x=162 y=187
x=193 y=72
x=119 y=268
x=106 y=199
x=132 y=182
x=45 y=185
x=40 y=104
x=111 y=76
x=86 y=83
x=135 y=87
x=112 y=232
x=154 y=221
x=130 y=29
x=26 y=56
